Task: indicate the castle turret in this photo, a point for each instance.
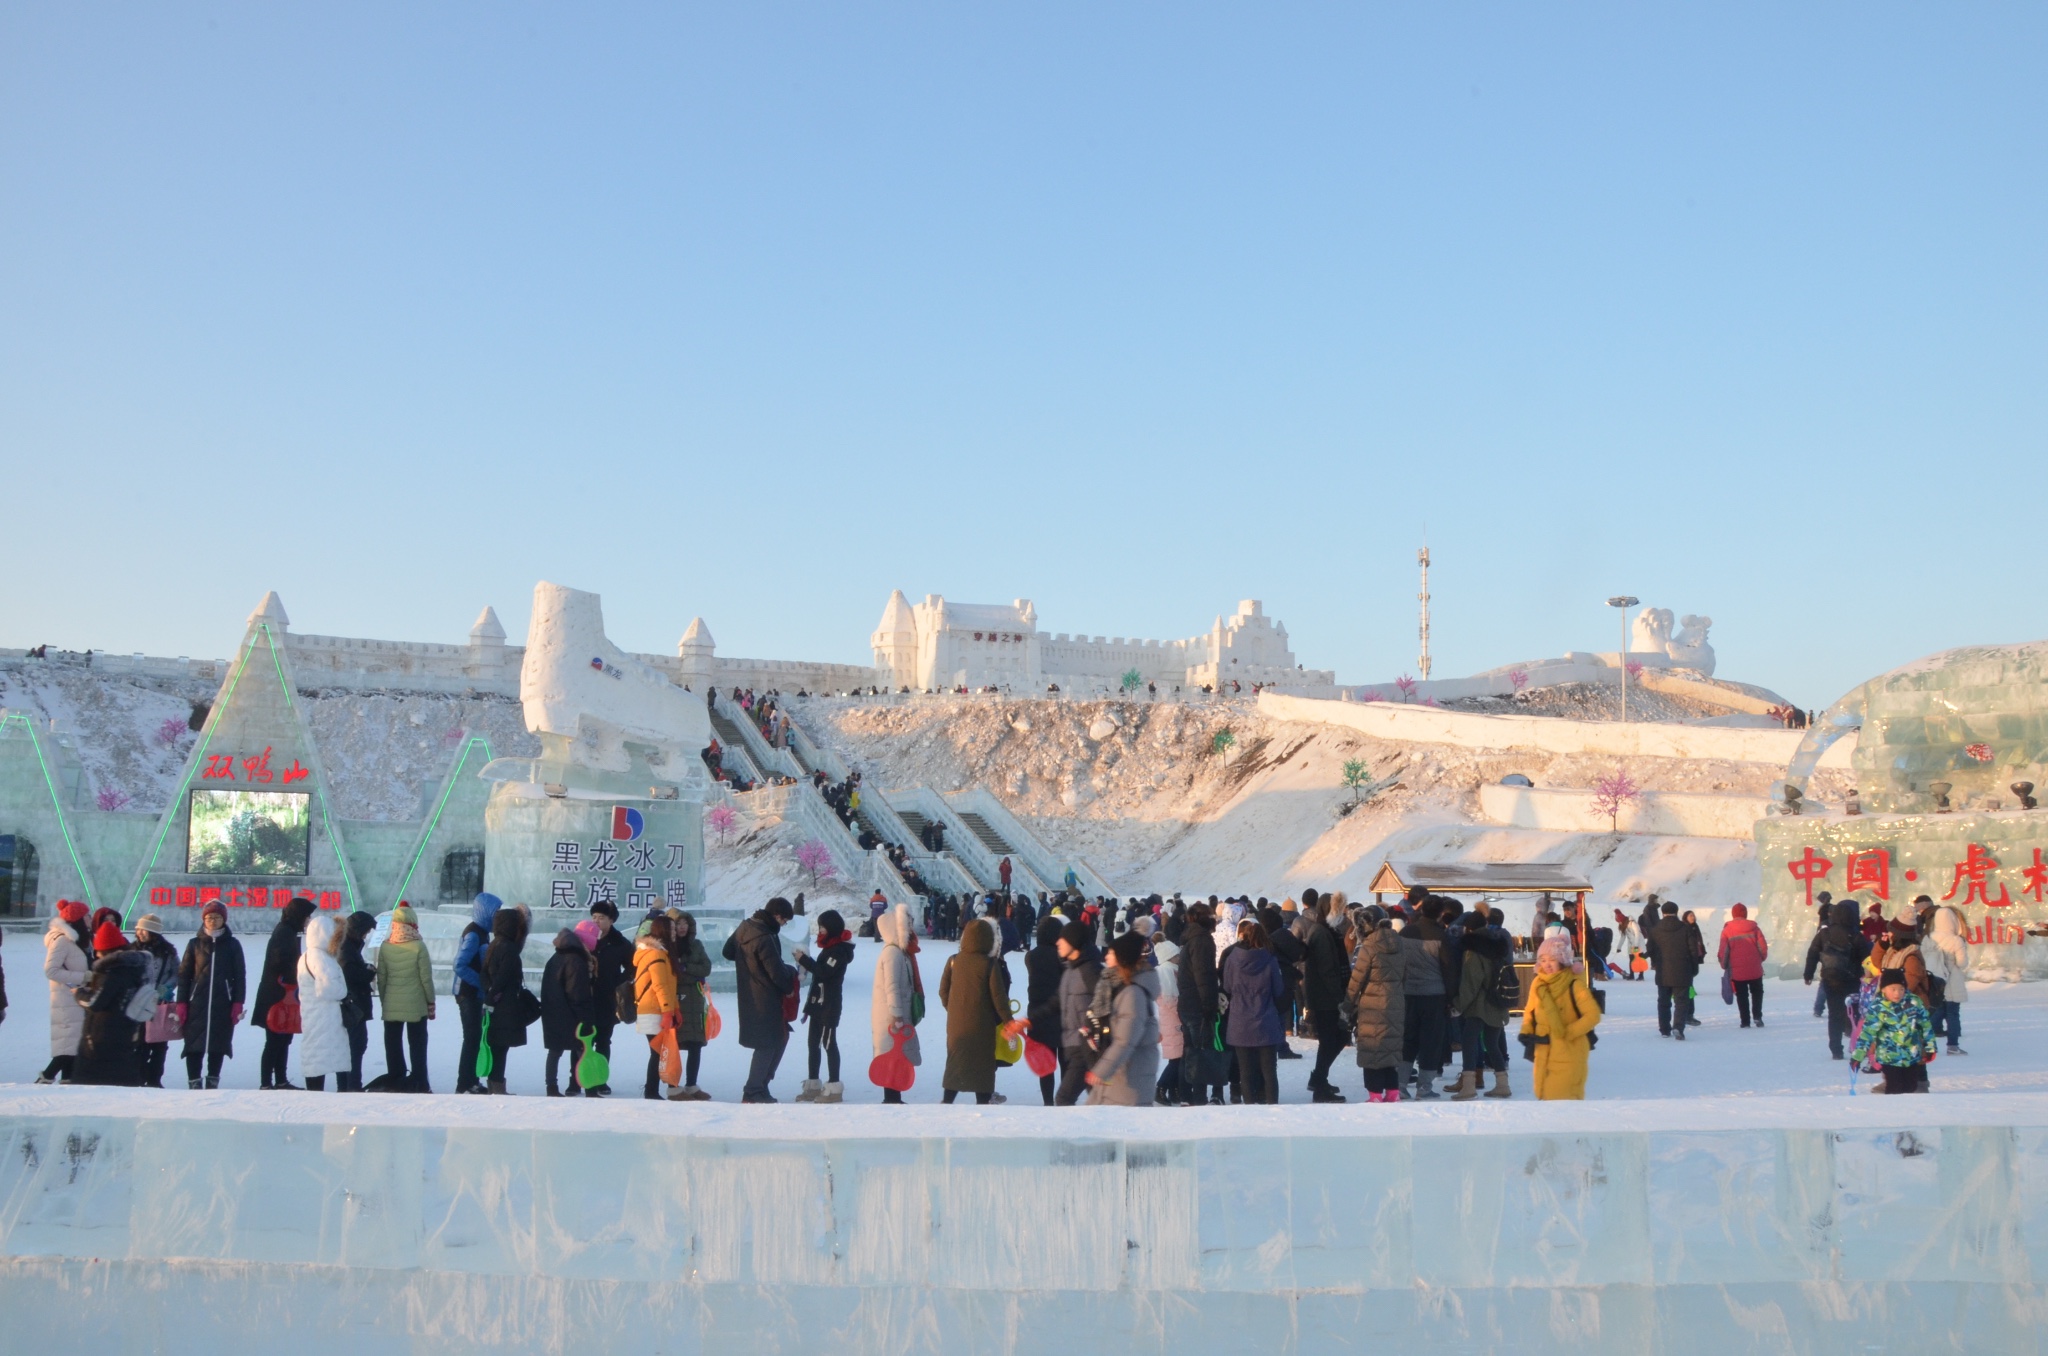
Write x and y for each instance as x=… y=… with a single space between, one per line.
x=698 y=653
x=486 y=646
x=895 y=643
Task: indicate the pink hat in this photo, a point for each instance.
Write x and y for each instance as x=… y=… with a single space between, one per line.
x=587 y=930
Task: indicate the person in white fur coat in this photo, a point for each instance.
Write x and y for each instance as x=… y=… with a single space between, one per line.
x=895 y=981
x=323 y=1047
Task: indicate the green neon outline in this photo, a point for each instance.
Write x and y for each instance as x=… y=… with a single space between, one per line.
x=50 y=785
x=434 y=821
x=198 y=752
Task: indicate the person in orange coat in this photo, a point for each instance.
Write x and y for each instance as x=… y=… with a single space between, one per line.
x=654 y=996
x=1560 y=1018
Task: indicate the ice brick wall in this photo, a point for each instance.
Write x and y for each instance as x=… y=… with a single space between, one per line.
x=244 y=1222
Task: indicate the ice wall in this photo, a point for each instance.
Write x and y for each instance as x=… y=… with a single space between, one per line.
x=234 y=1222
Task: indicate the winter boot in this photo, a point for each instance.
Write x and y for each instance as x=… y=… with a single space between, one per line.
x=1500 y=1086
x=834 y=1092
x=1468 y=1086
x=192 y=1083
x=1425 y=1085
x=1325 y=1094
x=554 y=1091
x=212 y=1082
x=812 y=1090
x=693 y=1093
x=497 y=1088
x=1391 y=1095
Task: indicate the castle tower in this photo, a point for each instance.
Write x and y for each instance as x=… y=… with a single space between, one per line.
x=487 y=646
x=698 y=653
x=895 y=644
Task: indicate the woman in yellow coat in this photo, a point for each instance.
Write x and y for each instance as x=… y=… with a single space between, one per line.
x=1561 y=1015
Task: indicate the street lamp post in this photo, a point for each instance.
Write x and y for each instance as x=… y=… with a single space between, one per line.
x=1624 y=602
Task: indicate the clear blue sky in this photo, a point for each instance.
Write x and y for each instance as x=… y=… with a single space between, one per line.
x=760 y=311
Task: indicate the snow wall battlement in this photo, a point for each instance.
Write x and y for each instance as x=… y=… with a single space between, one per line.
x=134 y=1221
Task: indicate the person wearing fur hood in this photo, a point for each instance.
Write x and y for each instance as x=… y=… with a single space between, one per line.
x=324 y=1049
x=1946 y=953
x=898 y=995
x=65 y=966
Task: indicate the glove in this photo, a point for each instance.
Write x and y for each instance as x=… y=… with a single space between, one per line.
x=235 y=1015
x=671 y=1020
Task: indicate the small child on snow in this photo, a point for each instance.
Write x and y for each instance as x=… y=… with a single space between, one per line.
x=1897 y=1035
x=823 y=1007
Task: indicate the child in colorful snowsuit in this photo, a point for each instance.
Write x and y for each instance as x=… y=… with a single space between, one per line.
x=1897 y=1036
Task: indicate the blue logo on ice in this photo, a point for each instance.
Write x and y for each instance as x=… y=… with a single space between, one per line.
x=627 y=825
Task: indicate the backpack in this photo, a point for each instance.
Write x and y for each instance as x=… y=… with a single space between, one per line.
x=142 y=1003
x=625 y=1003
x=1506 y=988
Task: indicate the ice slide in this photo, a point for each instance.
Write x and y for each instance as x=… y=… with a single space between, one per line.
x=233 y=1222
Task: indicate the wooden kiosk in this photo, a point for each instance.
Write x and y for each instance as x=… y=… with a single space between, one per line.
x=1487 y=880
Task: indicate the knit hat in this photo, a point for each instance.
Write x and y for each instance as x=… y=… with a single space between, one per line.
x=587 y=930
x=1288 y=905
x=1889 y=978
x=108 y=938
x=1906 y=917
x=214 y=906
x=149 y=922
x=71 y=911
x=404 y=914
x=1739 y=911
x=1143 y=926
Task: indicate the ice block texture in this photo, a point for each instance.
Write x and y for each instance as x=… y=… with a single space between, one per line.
x=238 y=1223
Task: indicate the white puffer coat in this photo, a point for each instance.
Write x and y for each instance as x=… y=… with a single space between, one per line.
x=1947 y=955
x=891 y=999
x=323 y=1047
x=65 y=967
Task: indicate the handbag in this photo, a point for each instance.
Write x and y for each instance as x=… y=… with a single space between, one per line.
x=671 y=1057
x=1727 y=987
x=790 y=1001
x=526 y=1006
x=167 y=1025
x=1009 y=1045
x=713 y=1023
x=284 y=1017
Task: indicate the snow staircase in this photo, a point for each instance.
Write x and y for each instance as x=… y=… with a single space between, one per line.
x=733 y=746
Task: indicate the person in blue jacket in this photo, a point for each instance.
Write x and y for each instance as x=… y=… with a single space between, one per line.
x=469 y=985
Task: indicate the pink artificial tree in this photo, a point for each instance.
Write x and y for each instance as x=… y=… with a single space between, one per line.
x=721 y=819
x=112 y=798
x=171 y=731
x=1407 y=686
x=1612 y=792
x=815 y=858
x=1518 y=679
x=1634 y=667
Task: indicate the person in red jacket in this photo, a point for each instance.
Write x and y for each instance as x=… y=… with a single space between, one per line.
x=1742 y=953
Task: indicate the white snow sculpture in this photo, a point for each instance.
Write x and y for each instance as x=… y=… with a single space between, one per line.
x=578 y=685
x=1689 y=648
x=1651 y=632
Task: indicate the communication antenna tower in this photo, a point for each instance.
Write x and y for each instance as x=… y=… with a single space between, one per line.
x=1422 y=558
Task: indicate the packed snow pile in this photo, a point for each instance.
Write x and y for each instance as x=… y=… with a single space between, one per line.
x=1211 y=797
x=382 y=750
x=1592 y=701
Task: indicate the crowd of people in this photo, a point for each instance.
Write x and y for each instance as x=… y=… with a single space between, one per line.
x=1149 y=1001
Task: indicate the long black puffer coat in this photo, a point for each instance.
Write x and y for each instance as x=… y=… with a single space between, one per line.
x=211 y=980
x=281 y=958
x=565 y=993
x=505 y=979
x=762 y=977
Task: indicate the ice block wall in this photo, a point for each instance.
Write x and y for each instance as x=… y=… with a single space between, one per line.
x=245 y=1222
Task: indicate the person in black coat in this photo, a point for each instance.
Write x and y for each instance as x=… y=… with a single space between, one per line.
x=1083 y=973
x=504 y=994
x=823 y=1006
x=1288 y=950
x=1201 y=1064
x=1837 y=952
x=280 y=971
x=763 y=979
x=1676 y=952
x=567 y=1004
x=612 y=959
x=109 y=1053
x=212 y=984
x=1043 y=971
x=361 y=977
x=1325 y=974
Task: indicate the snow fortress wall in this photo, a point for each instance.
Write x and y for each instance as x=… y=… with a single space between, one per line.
x=226 y=1222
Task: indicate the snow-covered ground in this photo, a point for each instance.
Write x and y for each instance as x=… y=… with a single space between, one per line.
x=2004 y=1030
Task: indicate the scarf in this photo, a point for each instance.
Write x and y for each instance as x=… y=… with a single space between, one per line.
x=1549 y=990
x=404 y=934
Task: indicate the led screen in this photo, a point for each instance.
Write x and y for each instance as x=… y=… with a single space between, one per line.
x=250 y=833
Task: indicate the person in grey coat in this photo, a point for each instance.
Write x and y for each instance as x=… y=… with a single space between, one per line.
x=1426 y=1030
x=1076 y=946
x=1124 y=1073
